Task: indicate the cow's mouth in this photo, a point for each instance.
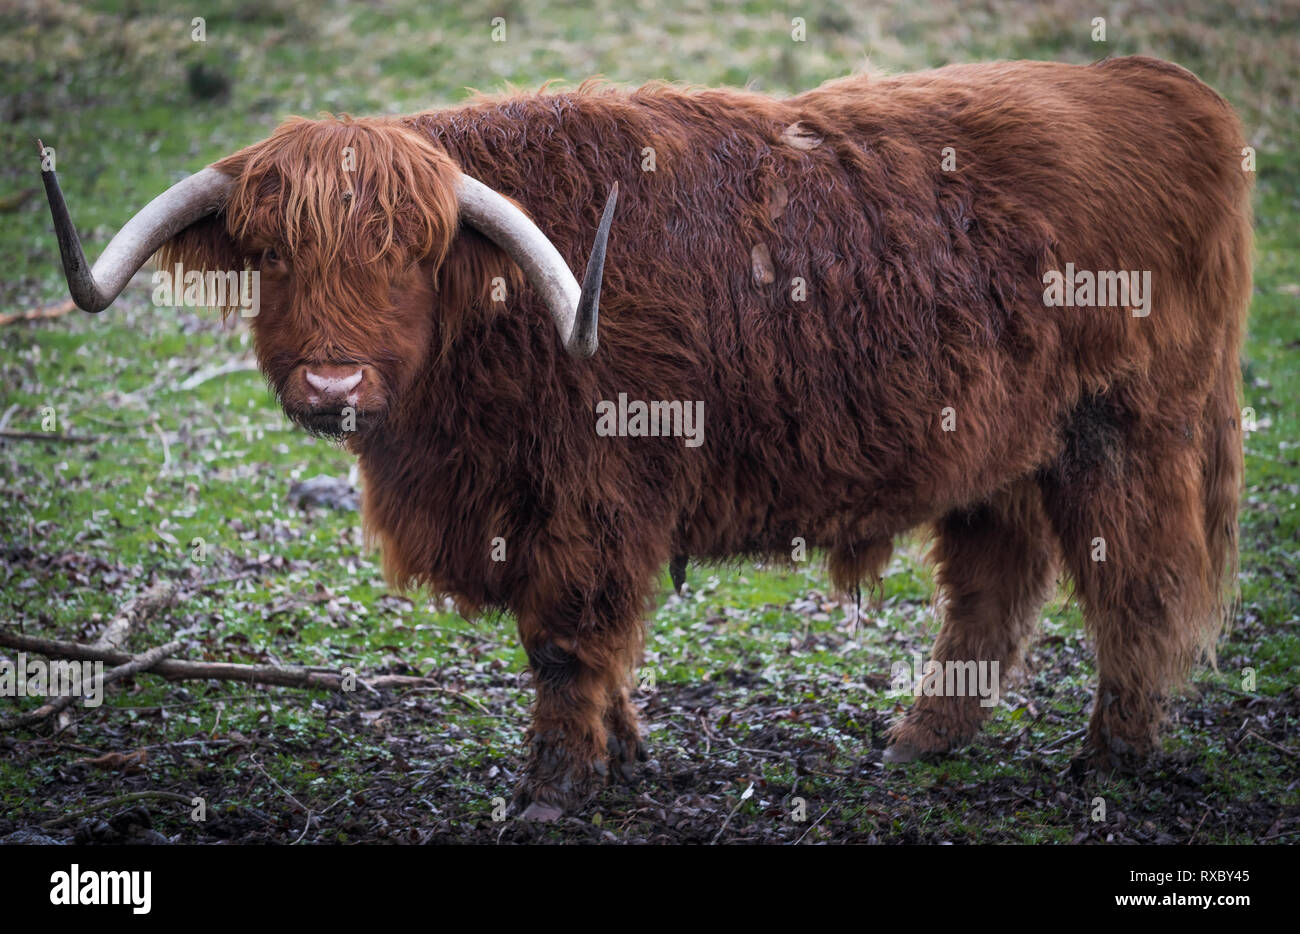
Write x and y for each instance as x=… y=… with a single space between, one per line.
x=338 y=422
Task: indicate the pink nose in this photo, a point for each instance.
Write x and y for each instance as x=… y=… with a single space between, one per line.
x=332 y=385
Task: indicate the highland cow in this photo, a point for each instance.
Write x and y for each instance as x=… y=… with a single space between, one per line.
x=855 y=285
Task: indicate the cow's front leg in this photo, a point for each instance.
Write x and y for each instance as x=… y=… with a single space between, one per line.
x=583 y=720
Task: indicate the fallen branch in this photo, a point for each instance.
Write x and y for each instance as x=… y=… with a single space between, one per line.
x=195 y=380
x=112 y=802
x=135 y=612
x=291 y=676
x=36 y=314
x=8 y=435
x=142 y=662
x=132 y=614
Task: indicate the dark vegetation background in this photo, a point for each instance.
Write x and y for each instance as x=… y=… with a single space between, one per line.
x=755 y=677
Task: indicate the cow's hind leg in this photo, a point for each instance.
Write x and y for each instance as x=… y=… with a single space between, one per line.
x=1126 y=502
x=995 y=569
x=583 y=719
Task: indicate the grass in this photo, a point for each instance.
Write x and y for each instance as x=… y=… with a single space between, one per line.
x=757 y=676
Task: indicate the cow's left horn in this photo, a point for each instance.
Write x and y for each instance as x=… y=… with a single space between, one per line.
x=161 y=219
x=575 y=309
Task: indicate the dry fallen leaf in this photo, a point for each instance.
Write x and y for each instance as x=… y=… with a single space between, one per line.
x=118 y=761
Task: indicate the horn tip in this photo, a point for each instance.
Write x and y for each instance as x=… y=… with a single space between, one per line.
x=583 y=350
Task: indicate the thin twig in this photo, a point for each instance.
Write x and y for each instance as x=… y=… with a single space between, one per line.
x=451 y=693
x=1269 y=742
x=284 y=791
x=36 y=314
x=167 y=451
x=339 y=801
x=305 y=827
x=191 y=742
x=1062 y=740
x=1198 y=826
x=772 y=754
x=111 y=802
x=810 y=828
x=195 y=380
x=744 y=796
x=8 y=435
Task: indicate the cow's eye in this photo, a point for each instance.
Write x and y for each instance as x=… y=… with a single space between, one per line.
x=274 y=262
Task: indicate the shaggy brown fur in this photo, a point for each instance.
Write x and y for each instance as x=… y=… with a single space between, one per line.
x=824 y=419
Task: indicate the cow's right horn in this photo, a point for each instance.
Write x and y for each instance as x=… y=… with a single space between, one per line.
x=575 y=309
x=161 y=219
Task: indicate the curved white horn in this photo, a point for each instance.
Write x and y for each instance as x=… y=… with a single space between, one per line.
x=575 y=309
x=161 y=219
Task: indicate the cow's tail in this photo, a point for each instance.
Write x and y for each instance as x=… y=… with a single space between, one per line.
x=1224 y=421
x=1223 y=475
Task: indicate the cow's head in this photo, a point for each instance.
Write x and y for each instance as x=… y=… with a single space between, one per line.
x=348 y=224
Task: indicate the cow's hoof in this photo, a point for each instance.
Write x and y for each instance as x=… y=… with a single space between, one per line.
x=557 y=779
x=1112 y=755
x=542 y=813
x=624 y=754
x=900 y=754
x=928 y=734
